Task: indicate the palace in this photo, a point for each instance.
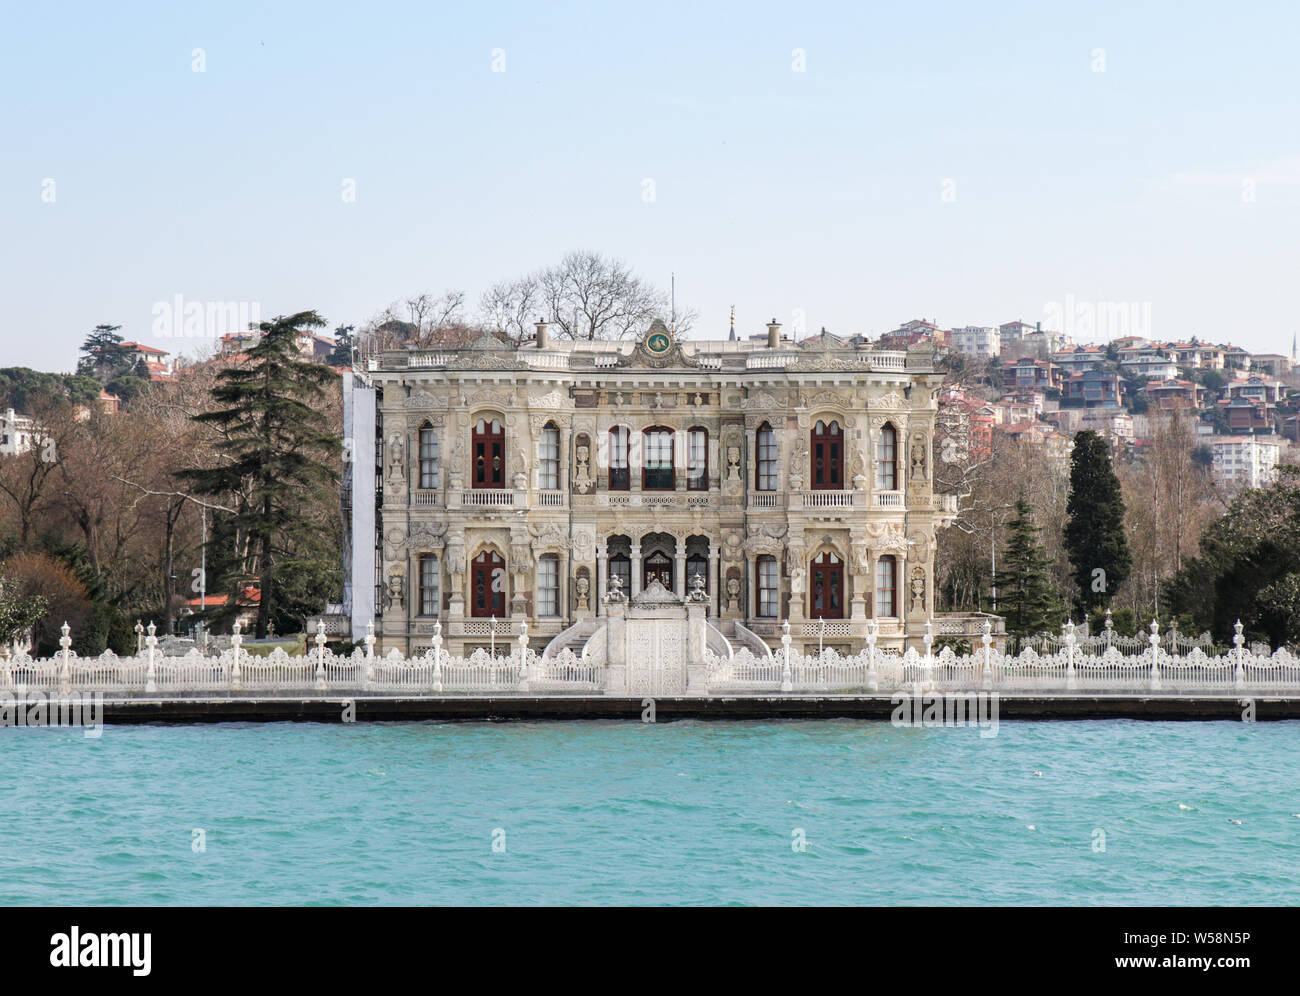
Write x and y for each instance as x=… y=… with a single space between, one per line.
x=526 y=483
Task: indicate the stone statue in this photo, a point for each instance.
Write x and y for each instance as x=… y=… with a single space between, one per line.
x=582 y=587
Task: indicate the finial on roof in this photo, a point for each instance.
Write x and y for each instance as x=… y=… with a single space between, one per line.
x=732 y=337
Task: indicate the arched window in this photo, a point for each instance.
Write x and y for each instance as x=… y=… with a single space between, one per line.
x=886 y=583
x=697 y=474
x=827 y=456
x=619 y=477
x=696 y=564
x=827 y=587
x=548 y=585
x=489 y=448
x=657 y=474
x=887 y=459
x=765 y=478
x=429 y=600
x=768 y=586
x=487 y=579
x=428 y=457
x=548 y=472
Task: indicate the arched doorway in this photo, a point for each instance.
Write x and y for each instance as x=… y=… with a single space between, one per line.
x=827 y=588
x=487 y=581
x=657 y=565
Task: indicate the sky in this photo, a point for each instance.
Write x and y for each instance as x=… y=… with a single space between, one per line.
x=839 y=165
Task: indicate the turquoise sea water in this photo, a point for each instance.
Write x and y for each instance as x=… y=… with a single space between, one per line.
x=675 y=813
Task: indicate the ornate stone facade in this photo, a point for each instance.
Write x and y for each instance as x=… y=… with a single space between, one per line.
x=794 y=480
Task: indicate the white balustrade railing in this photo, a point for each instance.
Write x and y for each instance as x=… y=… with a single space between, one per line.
x=742 y=665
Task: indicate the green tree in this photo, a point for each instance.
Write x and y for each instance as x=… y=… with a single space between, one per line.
x=1248 y=568
x=18 y=611
x=279 y=455
x=1094 y=530
x=344 y=338
x=105 y=357
x=1026 y=595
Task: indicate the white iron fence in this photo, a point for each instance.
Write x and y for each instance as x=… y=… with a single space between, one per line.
x=1071 y=670
x=1076 y=668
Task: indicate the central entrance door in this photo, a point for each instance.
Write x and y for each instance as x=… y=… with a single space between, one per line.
x=487 y=579
x=657 y=565
x=827 y=587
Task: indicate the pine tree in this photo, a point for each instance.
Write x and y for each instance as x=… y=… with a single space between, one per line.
x=344 y=340
x=279 y=453
x=1094 y=532
x=105 y=356
x=1026 y=595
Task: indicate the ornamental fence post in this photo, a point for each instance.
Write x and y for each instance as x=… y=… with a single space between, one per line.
x=1070 y=683
x=1155 y=656
x=523 y=655
x=151 y=649
x=1239 y=640
x=236 y=641
x=929 y=655
x=873 y=680
x=320 y=655
x=787 y=685
x=437 y=655
x=987 y=640
x=65 y=655
x=370 y=654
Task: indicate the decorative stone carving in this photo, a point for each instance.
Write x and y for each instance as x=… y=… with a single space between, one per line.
x=697 y=594
x=582 y=480
x=918 y=589
x=733 y=594
x=763 y=401
x=427 y=536
x=555 y=399
x=615 y=595
x=488 y=397
x=918 y=457
x=551 y=538
x=733 y=463
x=733 y=545
x=584 y=545
x=396 y=455
x=395 y=590
x=582 y=589
x=423 y=399
x=887 y=537
x=892 y=400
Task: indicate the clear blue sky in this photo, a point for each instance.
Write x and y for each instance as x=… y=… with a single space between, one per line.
x=775 y=190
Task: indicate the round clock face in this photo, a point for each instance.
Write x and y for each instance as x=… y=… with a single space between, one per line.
x=659 y=343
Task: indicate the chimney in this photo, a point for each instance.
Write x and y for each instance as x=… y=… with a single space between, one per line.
x=773 y=334
x=542 y=329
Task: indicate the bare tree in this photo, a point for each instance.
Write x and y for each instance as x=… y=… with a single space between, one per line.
x=591 y=296
x=510 y=307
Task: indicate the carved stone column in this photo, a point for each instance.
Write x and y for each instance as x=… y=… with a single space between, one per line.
x=636 y=569
x=598 y=596
x=679 y=568
x=715 y=592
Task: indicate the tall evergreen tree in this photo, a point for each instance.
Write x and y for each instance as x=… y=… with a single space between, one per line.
x=1094 y=532
x=1026 y=595
x=105 y=356
x=280 y=455
x=344 y=338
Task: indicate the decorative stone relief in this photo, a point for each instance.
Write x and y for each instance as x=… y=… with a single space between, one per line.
x=582 y=480
x=918 y=589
